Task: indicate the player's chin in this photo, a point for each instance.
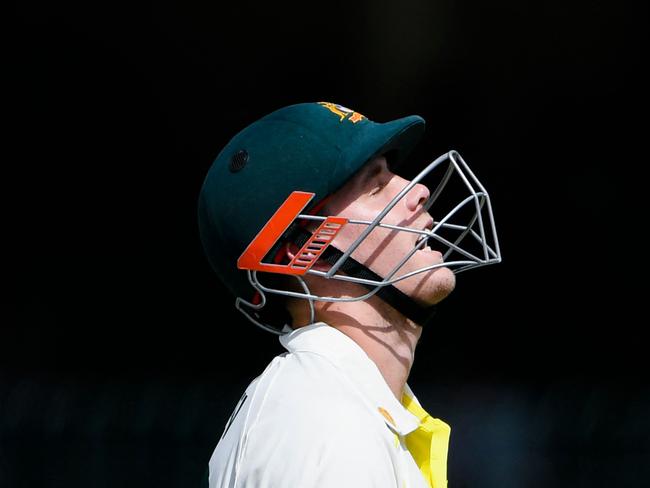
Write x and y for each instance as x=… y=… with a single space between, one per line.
x=435 y=286
x=446 y=280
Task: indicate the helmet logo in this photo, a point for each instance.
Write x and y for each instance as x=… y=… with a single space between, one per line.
x=343 y=113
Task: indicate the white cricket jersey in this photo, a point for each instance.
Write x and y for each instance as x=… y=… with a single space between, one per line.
x=322 y=415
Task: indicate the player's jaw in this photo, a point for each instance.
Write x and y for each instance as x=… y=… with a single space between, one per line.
x=426 y=287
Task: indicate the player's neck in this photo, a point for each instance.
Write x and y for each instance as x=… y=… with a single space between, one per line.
x=386 y=336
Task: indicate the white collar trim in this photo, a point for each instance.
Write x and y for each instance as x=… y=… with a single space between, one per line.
x=349 y=357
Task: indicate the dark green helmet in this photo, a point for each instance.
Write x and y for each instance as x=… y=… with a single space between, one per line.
x=310 y=147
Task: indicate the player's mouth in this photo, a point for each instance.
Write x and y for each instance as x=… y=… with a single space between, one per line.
x=424 y=237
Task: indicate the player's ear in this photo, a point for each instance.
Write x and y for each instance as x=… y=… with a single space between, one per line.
x=291 y=249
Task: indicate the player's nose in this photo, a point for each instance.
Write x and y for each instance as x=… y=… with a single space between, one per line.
x=417 y=197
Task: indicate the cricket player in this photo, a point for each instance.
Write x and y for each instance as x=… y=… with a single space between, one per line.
x=331 y=239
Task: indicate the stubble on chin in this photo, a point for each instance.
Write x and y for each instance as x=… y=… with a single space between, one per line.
x=445 y=284
x=434 y=287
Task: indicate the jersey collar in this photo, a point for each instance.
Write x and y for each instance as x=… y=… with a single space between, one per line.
x=351 y=359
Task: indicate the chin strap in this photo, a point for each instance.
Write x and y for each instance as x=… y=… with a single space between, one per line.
x=391 y=295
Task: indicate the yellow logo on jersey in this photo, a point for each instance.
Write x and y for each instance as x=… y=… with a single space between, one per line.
x=343 y=113
x=386 y=415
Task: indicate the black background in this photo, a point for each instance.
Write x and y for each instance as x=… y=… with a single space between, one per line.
x=122 y=356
